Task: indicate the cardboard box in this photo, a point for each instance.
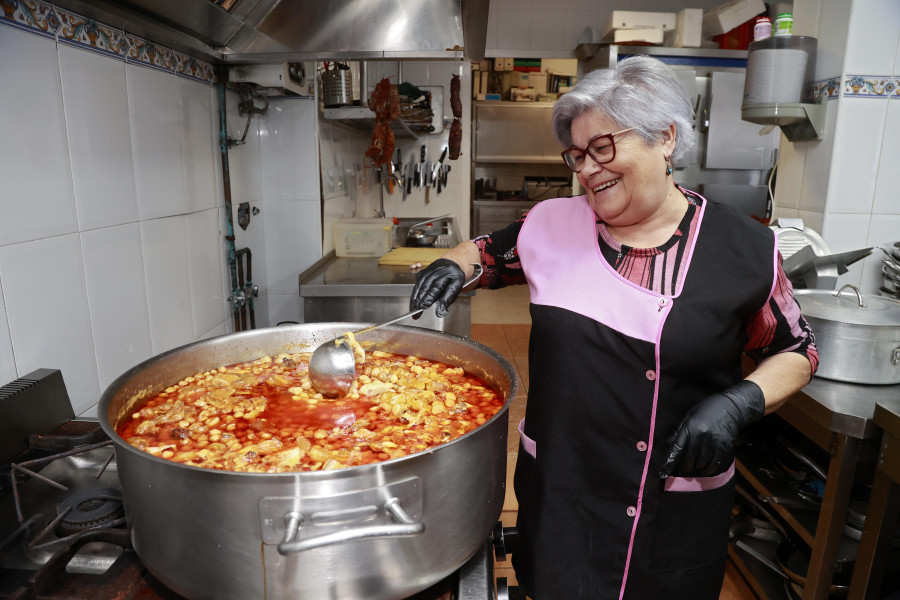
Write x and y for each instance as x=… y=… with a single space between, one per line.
x=538 y=82
x=689 y=28
x=633 y=19
x=519 y=79
x=508 y=64
x=725 y=17
x=522 y=94
x=645 y=36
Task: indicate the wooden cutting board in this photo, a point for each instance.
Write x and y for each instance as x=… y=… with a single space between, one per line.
x=407 y=256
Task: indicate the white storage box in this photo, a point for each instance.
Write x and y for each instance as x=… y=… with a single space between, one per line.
x=725 y=17
x=632 y=19
x=362 y=237
x=644 y=36
x=689 y=28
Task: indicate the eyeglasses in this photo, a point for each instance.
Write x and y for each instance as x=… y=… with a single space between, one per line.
x=601 y=148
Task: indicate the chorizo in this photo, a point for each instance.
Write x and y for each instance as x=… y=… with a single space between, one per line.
x=455 y=101
x=455 y=139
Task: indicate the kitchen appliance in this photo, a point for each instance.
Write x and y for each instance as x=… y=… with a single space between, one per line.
x=808 y=262
x=379 y=531
x=89 y=553
x=858 y=335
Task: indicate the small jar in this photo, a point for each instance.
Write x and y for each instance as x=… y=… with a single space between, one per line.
x=784 y=24
x=762 y=28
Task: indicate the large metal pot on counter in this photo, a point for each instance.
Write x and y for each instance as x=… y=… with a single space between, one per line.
x=379 y=531
x=857 y=335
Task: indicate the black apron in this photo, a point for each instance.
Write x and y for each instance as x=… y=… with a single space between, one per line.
x=613 y=368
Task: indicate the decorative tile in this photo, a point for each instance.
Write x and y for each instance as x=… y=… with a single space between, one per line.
x=149 y=54
x=31 y=15
x=89 y=34
x=831 y=87
x=871 y=86
x=193 y=68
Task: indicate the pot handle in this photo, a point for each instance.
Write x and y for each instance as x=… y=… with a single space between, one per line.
x=406 y=527
x=837 y=294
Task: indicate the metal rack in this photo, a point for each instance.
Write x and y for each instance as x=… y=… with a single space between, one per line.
x=837 y=417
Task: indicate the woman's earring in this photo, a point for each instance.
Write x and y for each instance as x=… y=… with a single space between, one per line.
x=668 y=166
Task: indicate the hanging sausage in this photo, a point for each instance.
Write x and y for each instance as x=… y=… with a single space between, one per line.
x=385 y=103
x=456 y=127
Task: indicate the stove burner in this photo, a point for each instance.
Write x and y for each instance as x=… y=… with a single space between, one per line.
x=89 y=509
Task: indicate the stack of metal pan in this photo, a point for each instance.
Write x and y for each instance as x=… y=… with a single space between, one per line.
x=890 y=271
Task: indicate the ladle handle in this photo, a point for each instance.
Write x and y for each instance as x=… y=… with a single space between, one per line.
x=475 y=277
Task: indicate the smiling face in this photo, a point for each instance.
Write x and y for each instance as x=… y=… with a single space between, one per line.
x=633 y=187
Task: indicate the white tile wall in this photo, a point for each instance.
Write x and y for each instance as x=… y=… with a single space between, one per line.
x=243 y=160
x=46 y=303
x=816 y=170
x=99 y=137
x=154 y=103
x=858 y=133
x=198 y=151
x=206 y=255
x=291 y=244
x=289 y=157
x=117 y=297
x=874 y=30
x=887 y=185
x=37 y=198
x=789 y=178
x=166 y=259
x=846 y=232
x=7 y=359
x=832 y=38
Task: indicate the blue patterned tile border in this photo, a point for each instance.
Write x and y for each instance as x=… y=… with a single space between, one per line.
x=33 y=16
x=190 y=67
x=878 y=87
x=88 y=34
x=147 y=54
x=871 y=86
x=78 y=31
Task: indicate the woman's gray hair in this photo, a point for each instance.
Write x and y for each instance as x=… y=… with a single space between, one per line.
x=639 y=92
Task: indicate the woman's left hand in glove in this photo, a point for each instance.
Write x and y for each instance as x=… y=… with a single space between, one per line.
x=704 y=442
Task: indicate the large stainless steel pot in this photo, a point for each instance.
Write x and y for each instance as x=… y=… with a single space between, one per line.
x=380 y=531
x=857 y=335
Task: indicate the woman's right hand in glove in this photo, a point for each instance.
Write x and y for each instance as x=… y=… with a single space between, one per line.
x=440 y=282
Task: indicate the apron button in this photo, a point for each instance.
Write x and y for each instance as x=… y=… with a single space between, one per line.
x=631 y=511
x=662 y=301
x=642 y=446
x=651 y=375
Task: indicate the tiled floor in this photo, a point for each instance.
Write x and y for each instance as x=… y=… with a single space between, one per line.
x=500 y=319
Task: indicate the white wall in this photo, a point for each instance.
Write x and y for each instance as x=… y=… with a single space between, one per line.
x=111 y=211
x=349 y=184
x=845 y=186
x=277 y=172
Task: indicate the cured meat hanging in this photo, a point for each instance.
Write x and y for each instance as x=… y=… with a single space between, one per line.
x=385 y=103
x=455 y=142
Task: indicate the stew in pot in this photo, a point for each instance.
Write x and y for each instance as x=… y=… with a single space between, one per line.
x=264 y=415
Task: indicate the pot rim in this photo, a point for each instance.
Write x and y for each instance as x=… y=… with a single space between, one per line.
x=112 y=390
x=867 y=309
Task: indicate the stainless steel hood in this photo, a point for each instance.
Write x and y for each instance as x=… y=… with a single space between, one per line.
x=266 y=31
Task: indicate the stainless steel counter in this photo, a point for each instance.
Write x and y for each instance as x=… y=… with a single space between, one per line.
x=340 y=289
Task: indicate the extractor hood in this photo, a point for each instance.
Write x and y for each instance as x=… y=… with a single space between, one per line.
x=267 y=31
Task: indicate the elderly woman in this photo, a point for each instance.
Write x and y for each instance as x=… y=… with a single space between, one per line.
x=644 y=295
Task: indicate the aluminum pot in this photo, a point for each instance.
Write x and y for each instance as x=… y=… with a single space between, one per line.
x=857 y=335
x=379 y=531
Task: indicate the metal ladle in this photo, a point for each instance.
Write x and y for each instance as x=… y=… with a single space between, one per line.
x=332 y=366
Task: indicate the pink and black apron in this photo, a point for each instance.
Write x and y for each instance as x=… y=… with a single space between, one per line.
x=613 y=369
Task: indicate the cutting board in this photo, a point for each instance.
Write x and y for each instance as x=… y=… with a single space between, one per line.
x=407 y=256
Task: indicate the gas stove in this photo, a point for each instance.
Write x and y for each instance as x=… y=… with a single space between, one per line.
x=63 y=531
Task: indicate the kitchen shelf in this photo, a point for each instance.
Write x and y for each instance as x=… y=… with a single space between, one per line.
x=362 y=120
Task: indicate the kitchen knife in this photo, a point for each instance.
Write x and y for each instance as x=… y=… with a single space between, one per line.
x=404 y=181
x=439 y=167
x=420 y=167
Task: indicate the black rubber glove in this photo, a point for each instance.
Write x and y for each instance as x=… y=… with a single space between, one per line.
x=440 y=282
x=704 y=442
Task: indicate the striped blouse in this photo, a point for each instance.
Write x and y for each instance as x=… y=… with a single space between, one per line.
x=776 y=327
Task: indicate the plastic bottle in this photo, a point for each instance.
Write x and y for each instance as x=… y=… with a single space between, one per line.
x=784 y=24
x=762 y=28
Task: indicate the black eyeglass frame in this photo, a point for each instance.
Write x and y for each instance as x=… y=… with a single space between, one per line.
x=586 y=150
